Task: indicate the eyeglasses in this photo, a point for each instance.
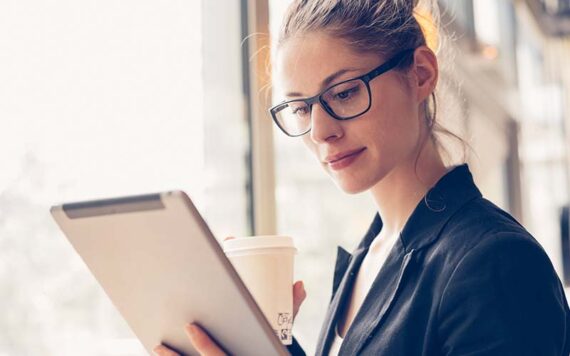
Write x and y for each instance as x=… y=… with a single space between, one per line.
x=343 y=101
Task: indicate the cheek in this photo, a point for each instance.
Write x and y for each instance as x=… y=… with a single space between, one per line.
x=391 y=125
x=388 y=125
x=392 y=96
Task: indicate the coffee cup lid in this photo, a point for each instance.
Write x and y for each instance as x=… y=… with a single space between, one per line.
x=258 y=242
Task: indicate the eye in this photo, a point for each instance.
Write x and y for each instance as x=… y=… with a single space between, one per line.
x=300 y=110
x=347 y=93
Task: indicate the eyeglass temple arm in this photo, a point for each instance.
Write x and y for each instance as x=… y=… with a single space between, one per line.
x=393 y=62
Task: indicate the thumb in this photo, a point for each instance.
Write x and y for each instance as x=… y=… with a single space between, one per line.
x=299 y=295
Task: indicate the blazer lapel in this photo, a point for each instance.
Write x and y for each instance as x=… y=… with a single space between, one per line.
x=342 y=260
x=379 y=300
x=343 y=281
x=345 y=284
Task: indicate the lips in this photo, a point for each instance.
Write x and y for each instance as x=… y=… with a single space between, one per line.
x=339 y=156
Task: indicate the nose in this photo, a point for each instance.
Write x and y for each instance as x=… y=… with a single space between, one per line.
x=324 y=127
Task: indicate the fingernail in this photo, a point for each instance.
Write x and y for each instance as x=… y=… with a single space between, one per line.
x=191 y=329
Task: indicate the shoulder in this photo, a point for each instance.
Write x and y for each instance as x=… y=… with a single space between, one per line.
x=480 y=218
x=482 y=245
x=482 y=228
x=499 y=286
x=485 y=247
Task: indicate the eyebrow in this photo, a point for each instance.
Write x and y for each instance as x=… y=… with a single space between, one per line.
x=328 y=80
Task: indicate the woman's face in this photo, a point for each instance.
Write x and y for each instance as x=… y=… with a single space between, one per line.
x=387 y=135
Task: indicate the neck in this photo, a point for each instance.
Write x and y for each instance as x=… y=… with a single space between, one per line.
x=397 y=194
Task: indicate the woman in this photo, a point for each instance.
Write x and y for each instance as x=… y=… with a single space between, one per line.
x=441 y=271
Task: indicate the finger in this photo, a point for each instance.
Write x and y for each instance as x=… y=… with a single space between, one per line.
x=299 y=295
x=162 y=350
x=229 y=238
x=202 y=341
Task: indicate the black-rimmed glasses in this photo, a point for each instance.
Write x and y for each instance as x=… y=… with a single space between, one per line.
x=343 y=101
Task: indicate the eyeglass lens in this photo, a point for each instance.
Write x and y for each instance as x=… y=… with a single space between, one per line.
x=344 y=100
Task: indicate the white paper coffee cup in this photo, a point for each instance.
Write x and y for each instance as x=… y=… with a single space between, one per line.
x=265 y=264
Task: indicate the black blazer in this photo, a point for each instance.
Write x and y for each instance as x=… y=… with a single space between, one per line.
x=464 y=278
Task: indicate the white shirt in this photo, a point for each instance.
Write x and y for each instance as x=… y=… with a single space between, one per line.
x=335 y=346
x=371 y=264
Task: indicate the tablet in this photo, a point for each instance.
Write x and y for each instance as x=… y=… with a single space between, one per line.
x=162 y=268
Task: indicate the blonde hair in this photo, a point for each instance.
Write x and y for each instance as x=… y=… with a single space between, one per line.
x=385 y=27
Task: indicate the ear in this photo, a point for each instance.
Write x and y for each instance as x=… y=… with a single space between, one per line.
x=426 y=72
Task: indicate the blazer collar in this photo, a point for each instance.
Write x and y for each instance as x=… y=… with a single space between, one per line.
x=446 y=197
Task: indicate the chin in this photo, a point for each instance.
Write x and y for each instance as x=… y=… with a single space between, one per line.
x=352 y=188
x=359 y=183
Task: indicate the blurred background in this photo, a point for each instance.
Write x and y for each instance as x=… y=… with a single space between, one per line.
x=101 y=98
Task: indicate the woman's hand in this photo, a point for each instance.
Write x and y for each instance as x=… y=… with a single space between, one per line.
x=199 y=339
x=208 y=347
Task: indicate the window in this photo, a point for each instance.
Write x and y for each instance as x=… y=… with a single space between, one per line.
x=99 y=99
x=487 y=21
